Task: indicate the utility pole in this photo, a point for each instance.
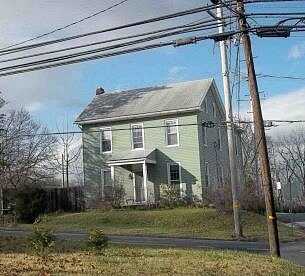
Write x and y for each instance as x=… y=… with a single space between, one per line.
x=259 y=131
x=230 y=125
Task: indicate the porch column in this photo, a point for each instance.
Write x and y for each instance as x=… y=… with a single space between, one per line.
x=112 y=173
x=145 y=180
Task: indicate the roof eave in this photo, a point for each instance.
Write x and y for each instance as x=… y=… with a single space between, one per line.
x=137 y=116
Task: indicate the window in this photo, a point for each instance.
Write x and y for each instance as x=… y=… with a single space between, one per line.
x=106 y=185
x=204 y=135
x=214 y=110
x=220 y=174
x=173 y=170
x=205 y=106
x=206 y=174
x=219 y=139
x=106 y=140
x=137 y=133
x=236 y=144
x=172 y=136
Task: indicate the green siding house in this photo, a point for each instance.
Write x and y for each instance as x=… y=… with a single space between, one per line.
x=146 y=138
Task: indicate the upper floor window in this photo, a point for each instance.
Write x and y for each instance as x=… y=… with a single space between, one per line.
x=214 y=110
x=220 y=175
x=204 y=136
x=205 y=106
x=137 y=133
x=174 y=175
x=206 y=174
x=219 y=139
x=106 y=139
x=172 y=135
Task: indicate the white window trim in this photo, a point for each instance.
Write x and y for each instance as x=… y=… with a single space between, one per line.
x=205 y=140
x=143 y=140
x=166 y=138
x=180 y=176
x=207 y=169
x=103 y=170
x=101 y=148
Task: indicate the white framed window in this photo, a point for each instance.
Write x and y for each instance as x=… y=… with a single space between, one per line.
x=172 y=132
x=219 y=139
x=174 y=173
x=206 y=175
x=137 y=136
x=214 y=110
x=106 y=140
x=204 y=136
x=106 y=183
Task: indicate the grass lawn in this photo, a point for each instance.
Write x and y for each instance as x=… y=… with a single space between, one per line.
x=74 y=259
x=186 y=222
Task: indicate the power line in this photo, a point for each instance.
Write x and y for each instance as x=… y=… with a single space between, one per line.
x=138 y=23
x=66 y=26
x=175 y=43
x=207 y=124
x=280 y=77
x=200 y=24
x=111 y=47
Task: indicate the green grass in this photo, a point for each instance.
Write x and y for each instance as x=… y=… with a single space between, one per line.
x=179 y=222
x=74 y=259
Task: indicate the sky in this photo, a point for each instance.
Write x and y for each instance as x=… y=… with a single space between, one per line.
x=59 y=94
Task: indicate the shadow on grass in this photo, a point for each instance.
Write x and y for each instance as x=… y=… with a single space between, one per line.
x=22 y=245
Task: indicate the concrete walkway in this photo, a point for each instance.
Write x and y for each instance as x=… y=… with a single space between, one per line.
x=293 y=251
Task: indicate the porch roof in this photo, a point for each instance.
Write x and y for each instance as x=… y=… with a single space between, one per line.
x=133 y=157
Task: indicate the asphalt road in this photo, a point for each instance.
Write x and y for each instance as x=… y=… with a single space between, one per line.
x=293 y=251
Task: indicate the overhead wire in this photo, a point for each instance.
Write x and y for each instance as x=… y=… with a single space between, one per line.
x=133 y=24
x=66 y=26
x=177 y=42
x=192 y=24
x=111 y=47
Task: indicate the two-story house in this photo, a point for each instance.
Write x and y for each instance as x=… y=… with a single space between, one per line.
x=144 y=138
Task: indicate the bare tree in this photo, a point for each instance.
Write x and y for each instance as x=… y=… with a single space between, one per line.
x=25 y=150
x=67 y=159
x=250 y=160
x=291 y=149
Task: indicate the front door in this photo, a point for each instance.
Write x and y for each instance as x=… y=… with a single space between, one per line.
x=139 y=187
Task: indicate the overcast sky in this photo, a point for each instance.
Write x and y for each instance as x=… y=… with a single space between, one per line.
x=52 y=95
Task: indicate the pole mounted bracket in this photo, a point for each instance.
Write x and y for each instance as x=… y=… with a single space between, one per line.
x=185 y=41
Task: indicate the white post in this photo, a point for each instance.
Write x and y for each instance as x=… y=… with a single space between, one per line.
x=230 y=126
x=112 y=173
x=145 y=180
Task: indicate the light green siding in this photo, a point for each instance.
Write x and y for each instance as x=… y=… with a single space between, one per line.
x=186 y=154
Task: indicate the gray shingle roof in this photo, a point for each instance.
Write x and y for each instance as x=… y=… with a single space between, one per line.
x=178 y=97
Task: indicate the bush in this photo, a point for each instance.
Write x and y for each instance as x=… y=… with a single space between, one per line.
x=170 y=196
x=42 y=240
x=30 y=203
x=221 y=198
x=251 y=200
x=118 y=195
x=97 y=240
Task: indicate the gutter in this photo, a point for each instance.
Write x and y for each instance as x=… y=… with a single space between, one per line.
x=138 y=116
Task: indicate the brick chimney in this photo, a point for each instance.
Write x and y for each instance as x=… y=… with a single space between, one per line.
x=99 y=91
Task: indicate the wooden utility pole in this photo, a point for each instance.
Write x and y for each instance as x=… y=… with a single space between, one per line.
x=230 y=126
x=259 y=131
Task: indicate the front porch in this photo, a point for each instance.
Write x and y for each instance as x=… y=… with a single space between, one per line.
x=134 y=171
